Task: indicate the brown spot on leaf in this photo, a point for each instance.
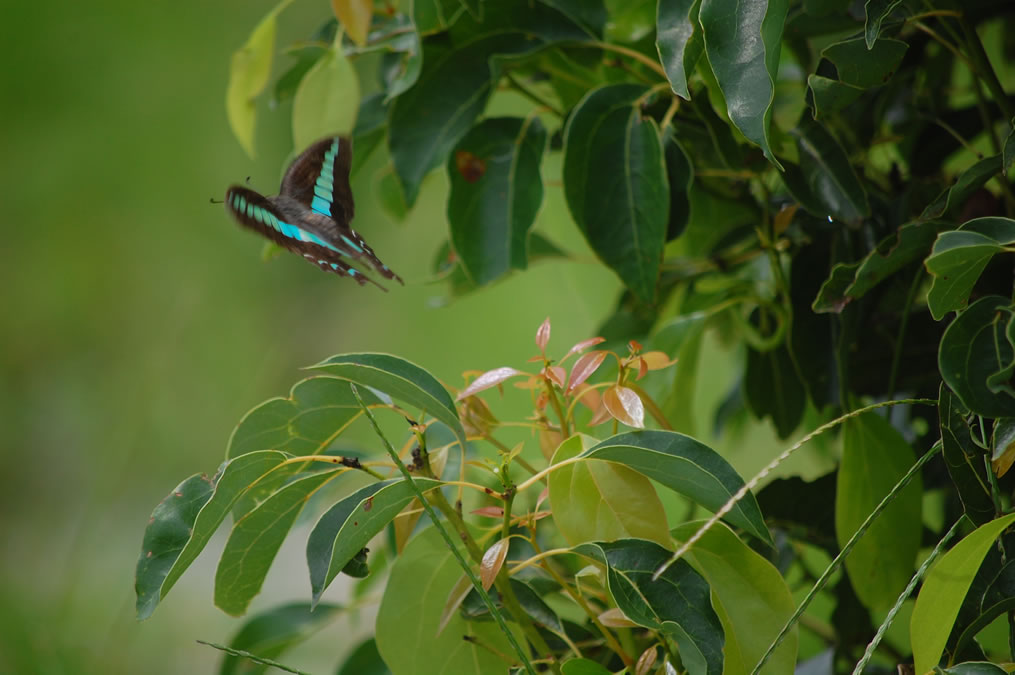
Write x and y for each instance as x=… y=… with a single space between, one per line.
x=469 y=165
x=368 y=504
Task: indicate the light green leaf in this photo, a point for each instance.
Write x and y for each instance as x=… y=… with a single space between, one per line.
x=602 y=501
x=272 y=633
x=678 y=41
x=327 y=100
x=355 y=16
x=583 y=667
x=944 y=589
x=959 y=257
x=874 y=458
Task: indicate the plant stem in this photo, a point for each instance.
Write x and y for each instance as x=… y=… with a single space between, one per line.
x=539 y=476
x=637 y=56
x=834 y=565
x=494 y=612
x=254 y=657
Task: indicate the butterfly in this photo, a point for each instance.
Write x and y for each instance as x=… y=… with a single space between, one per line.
x=312 y=213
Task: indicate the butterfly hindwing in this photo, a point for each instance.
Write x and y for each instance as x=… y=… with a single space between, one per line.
x=319 y=179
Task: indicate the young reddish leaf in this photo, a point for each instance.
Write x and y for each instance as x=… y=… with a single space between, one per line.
x=534 y=382
x=614 y=618
x=642 y=368
x=543 y=335
x=556 y=374
x=625 y=406
x=490 y=378
x=657 y=360
x=455 y=599
x=476 y=416
x=530 y=517
x=542 y=400
x=492 y=561
x=590 y=397
x=634 y=346
x=646 y=661
x=489 y=511
x=582 y=346
x=405 y=523
x=584 y=367
x=600 y=414
x=542 y=497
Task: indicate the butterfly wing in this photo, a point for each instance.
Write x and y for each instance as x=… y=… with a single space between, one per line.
x=319 y=179
x=261 y=215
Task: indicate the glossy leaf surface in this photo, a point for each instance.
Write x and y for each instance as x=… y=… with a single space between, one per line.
x=974 y=349
x=959 y=257
x=679 y=41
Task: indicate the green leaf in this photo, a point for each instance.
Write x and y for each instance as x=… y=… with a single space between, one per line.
x=327 y=100
x=248 y=75
x=975 y=668
x=583 y=667
x=603 y=501
x=959 y=257
x=399 y=379
x=686 y=466
x=183 y=523
x=861 y=67
x=365 y=660
x=677 y=603
x=496 y=191
x=944 y=589
x=678 y=41
x=773 y=389
x=414 y=598
x=968 y=182
x=534 y=606
x=876 y=12
x=830 y=95
x=346 y=528
x=615 y=183
x=306 y=56
x=742 y=42
x=828 y=175
x=974 y=349
x=255 y=540
x=629 y=20
x=1008 y=152
x=398 y=38
x=355 y=17
x=749 y=595
x=964 y=459
x=681 y=337
x=996 y=599
x=316 y=412
x=272 y=633
x=435 y=16
x=590 y=14
x=874 y=458
x=680 y=172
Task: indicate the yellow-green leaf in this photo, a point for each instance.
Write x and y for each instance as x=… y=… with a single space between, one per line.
x=355 y=16
x=327 y=99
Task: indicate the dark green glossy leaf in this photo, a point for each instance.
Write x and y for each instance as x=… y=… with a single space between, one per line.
x=680 y=172
x=401 y=380
x=831 y=95
x=865 y=68
x=964 y=459
x=473 y=608
x=832 y=296
x=272 y=633
x=973 y=349
x=590 y=14
x=974 y=668
x=876 y=12
x=398 y=36
x=679 y=41
x=686 y=466
x=371 y=122
x=774 y=390
x=183 y=523
x=874 y=458
x=316 y=412
x=828 y=174
x=496 y=191
x=959 y=257
x=364 y=660
x=742 y=41
x=255 y=541
x=347 y=527
x=677 y=603
x=968 y=182
x=616 y=185
x=997 y=599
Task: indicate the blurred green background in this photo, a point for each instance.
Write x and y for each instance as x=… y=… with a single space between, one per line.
x=141 y=323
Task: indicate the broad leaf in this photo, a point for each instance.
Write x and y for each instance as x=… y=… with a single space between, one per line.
x=401 y=380
x=742 y=42
x=528 y=599
x=434 y=16
x=874 y=458
x=876 y=12
x=749 y=595
x=944 y=589
x=959 y=257
x=583 y=667
x=678 y=41
x=602 y=501
x=830 y=179
x=616 y=185
x=686 y=466
x=346 y=528
x=974 y=350
x=774 y=390
x=677 y=603
x=861 y=67
x=964 y=459
x=327 y=99
x=183 y=523
x=680 y=172
x=255 y=540
x=496 y=191
x=272 y=633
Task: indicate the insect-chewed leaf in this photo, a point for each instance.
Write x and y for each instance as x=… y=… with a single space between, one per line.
x=490 y=378
x=492 y=561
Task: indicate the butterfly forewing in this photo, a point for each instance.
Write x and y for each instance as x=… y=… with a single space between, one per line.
x=319 y=179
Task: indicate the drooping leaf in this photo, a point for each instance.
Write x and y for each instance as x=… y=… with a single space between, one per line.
x=876 y=12
x=616 y=185
x=349 y=525
x=686 y=466
x=874 y=459
x=364 y=660
x=678 y=41
x=603 y=501
x=625 y=406
x=964 y=459
x=959 y=257
x=774 y=390
x=677 y=603
x=327 y=100
x=943 y=591
x=183 y=523
x=742 y=42
x=401 y=380
x=255 y=540
x=749 y=595
x=830 y=95
x=496 y=191
x=974 y=350
x=969 y=181
x=830 y=179
x=272 y=633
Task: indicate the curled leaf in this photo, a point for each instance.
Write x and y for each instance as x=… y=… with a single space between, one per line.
x=625 y=406
x=584 y=367
x=492 y=561
x=490 y=378
x=543 y=335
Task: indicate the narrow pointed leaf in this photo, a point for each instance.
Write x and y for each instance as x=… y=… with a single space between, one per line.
x=830 y=178
x=493 y=560
x=584 y=367
x=1008 y=152
x=400 y=379
x=960 y=256
x=272 y=633
x=255 y=540
x=678 y=41
x=686 y=466
x=346 y=528
x=490 y=378
x=975 y=348
x=327 y=100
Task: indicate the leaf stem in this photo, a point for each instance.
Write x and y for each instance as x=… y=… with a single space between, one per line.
x=253 y=657
x=630 y=53
x=539 y=476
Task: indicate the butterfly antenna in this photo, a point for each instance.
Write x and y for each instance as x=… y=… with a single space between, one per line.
x=213 y=201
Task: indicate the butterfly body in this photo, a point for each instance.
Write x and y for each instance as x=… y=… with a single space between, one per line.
x=311 y=216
